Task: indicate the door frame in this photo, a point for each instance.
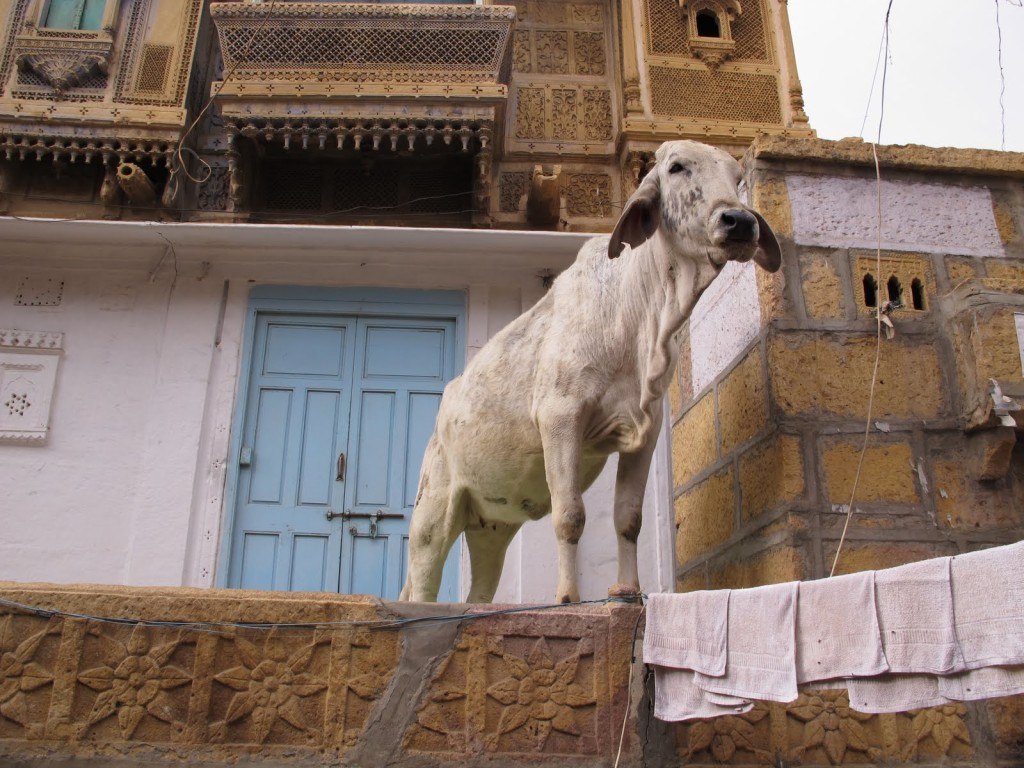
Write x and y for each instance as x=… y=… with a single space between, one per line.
x=318 y=300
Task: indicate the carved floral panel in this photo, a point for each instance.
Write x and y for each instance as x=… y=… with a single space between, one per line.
x=561 y=55
x=597 y=114
x=564 y=120
x=521 y=56
x=530 y=113
x=512 y=185
x=552 y=52
x=28 y=660
x=821 y=729
x=523 y=685
x=588 y=194
x=213 y=193
x=133 y=684
x=588 y=53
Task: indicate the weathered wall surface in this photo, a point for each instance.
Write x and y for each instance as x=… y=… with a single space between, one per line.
x=766 y=440
x=533 y=687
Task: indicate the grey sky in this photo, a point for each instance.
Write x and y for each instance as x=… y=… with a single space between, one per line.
x=942 y=87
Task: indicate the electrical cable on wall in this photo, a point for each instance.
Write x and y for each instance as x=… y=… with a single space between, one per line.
x=878 y=271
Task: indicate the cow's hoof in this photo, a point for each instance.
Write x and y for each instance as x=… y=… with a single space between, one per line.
x=624 y=593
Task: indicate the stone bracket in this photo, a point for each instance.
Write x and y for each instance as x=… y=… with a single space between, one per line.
x=63 y=63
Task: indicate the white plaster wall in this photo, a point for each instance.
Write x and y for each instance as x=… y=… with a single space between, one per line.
x=130 y=487
x=120 y=438
x=839 y=212
x=723 y=322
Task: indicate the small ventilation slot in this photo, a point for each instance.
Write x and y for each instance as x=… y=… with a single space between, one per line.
x=917 y=293
x=870 y=291
x=895 y=290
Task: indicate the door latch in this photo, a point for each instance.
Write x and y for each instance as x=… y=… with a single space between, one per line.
x=341 y=466
x=373 y=517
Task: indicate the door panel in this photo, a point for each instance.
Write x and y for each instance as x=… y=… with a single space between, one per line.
x=423 y=407
x=367 y=387
x=304 y=351
x=259 y=560
x=315 y=474
x=405 y=352
x=301 y=387
x=376 y=421
x=399 y=385
x=309 y=564
x=269 y=445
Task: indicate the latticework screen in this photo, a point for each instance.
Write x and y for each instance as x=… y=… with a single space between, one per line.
x=739 y=96
x=465 y=43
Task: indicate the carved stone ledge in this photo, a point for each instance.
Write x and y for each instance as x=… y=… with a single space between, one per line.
x=63 y=62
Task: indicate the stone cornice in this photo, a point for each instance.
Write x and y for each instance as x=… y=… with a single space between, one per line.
x=913 y=157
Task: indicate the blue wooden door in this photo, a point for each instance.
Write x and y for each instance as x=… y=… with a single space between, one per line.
x=337 y=415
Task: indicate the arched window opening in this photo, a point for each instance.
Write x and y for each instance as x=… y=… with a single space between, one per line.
x=870 y=291
x=895 y=290
x=917 y=293
x=707 y=25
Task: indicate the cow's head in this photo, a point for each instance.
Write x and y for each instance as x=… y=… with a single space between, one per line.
x=691 y=195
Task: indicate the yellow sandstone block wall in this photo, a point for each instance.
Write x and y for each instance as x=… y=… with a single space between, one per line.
x=764 y=456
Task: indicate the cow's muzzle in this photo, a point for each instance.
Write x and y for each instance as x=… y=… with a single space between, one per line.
x=738 y=225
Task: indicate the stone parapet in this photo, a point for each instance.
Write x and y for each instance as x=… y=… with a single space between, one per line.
x=307 y=679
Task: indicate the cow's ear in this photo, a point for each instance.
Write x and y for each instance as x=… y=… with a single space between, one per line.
x=640 y=217
x=768 y=254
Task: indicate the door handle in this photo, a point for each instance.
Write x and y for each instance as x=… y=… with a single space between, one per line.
x=341 y=466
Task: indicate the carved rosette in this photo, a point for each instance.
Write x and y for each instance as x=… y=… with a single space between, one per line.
x=63 y=63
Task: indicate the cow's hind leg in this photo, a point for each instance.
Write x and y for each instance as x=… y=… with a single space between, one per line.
x=487 y=547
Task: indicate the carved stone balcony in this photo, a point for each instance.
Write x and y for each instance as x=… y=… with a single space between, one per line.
x=299 y=50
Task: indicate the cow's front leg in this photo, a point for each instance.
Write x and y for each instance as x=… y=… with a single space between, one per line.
x=560 y=437
x=630 y=484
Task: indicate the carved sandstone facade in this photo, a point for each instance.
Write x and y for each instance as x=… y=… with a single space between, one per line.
x=86 y=88
x=376 y=113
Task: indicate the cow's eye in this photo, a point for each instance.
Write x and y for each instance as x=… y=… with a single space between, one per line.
x=676 y=168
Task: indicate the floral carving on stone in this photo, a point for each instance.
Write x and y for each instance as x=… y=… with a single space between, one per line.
x=539 y=695
x=134 y=682
x=724 y=736
x=944 y=725
x=20 y=673
x=269 y=686
x=831 y=724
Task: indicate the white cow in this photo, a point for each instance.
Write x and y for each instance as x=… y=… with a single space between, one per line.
x=530 y=423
